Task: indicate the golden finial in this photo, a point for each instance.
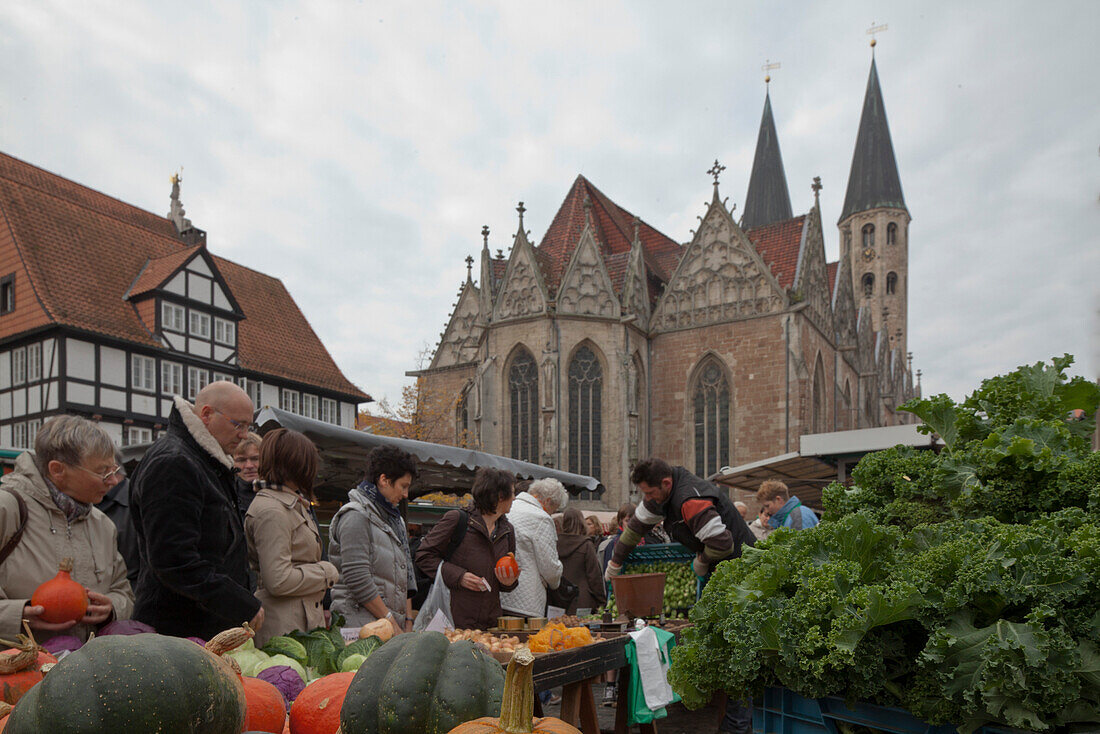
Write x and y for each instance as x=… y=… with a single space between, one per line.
x=876 y=29
x=767 y=67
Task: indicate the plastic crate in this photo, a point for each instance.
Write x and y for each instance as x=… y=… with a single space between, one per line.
x=659 y=553
x=785 y=712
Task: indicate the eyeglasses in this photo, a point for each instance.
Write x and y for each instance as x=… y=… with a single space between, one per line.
x=243 y=427
x=102 y=477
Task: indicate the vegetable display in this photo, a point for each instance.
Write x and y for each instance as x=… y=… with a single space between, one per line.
x=286 y=679
x=136 y=683
x=963 y=586
x=316 y=710
x=21 y=667
x=61 y=598
x=265 y=707
x=554 y=637
x=679 y=587
x=420 y=683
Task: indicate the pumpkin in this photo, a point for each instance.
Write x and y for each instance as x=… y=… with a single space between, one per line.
x=21 y=666
x=518 y=708
x=61 y=598
x=420 y=683
x=508 y=563
x=380 y=628
x=265 y=707
x=316 y=710
x=134 y=683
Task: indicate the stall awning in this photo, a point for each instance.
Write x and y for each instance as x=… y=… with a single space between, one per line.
x=441 y=467
x=822 y=458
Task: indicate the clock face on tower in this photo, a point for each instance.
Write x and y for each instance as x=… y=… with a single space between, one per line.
x=868 y=253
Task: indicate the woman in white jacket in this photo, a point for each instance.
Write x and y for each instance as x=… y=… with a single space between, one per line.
x=536 y=547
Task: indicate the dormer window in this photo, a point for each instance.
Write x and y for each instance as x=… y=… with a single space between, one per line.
x=200 y=324
x=225 y=332
x=892 y=233
x=171 y=317
x=7 y=294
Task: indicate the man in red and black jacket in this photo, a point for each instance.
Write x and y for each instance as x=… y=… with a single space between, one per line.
x=700 y=517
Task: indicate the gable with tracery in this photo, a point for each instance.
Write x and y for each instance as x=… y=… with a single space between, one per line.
x=463 y=333
x=812 y=278
x=522 y=292
x=635 y=291
x=586 y=287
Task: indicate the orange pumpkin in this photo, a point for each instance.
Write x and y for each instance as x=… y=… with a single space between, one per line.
x=316 y=710
x=15 y=685
x=5 y=709
x=518 y=706
x=62 y=599
x=508 y=563
x=265 y=707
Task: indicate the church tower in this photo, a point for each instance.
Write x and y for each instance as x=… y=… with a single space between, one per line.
x=874 y=224
x=767 y=200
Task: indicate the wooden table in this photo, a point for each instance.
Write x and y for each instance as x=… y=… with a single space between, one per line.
x=575 y=671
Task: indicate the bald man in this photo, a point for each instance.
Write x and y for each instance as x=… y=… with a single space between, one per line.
x=194 y=576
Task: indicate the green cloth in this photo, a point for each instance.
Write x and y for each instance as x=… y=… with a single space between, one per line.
x=636 y=707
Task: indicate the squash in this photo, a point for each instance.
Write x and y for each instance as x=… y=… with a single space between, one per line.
x=134 y=683
x=380 y=628
x=518 y=708
x=420 y=683
x=316 y=710
x=21 y=666
x=265 y=707
x=61 y=598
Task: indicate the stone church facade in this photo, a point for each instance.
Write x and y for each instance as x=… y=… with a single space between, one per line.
x=609 y=341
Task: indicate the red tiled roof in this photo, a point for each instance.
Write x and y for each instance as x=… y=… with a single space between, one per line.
x=614 y=231
x=157 y=271
x=778 y=244
x=382 y=426
x=830 y=270
x=83 y=250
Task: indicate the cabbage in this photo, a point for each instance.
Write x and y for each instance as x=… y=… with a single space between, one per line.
x=351 y=663
x=124 y=627
x=66 y=643
x=247 y=659
x=286 y=679
x=198 y=641
x=273 y=661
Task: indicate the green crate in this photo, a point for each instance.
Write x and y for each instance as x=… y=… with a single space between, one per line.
x=659 y=553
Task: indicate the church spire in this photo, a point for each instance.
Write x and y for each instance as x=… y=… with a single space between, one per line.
x=767 y=200
x=873 y=181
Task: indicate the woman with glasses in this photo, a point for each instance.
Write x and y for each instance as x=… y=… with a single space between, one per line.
x=284 y=544
x=57 y=485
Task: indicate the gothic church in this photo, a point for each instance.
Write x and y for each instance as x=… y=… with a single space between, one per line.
x=609 y=341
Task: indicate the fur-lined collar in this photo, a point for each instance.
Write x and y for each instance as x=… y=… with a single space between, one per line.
x=198 y=431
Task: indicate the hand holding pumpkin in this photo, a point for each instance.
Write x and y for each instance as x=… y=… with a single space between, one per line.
x=33 y=614
x=507 y=570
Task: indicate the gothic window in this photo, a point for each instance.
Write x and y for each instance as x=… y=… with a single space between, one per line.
x=868 y=235
x=462 y=420
x=585 y=381
x=892 y=233
x=846 y=407
x=868 y=282
x=523 y=393
x=818 y=420
x=712 y=420
x=891 y=283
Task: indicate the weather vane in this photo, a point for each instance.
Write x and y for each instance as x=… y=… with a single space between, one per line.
x=876 y=29
x=767 y=68
x=716 y=170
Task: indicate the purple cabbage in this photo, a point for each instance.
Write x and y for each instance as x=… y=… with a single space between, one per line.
x=198 y=641
x=124 y=627
x=286 y=679
x=62 y=643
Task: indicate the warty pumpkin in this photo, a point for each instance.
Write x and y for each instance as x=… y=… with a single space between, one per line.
x=518 y=707
x=134 y=683
x=420 y=683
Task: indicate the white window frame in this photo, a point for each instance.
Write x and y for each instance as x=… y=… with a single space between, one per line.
x=18 y=366
x=222 y=377
x=34 y=362
x=330 y=411
x=225 y=332
x=136 y=435
x=33 y=426
x=309 y=406
x=289 y=400
x=171 y=317
x=197 y=379
x=202 y=320
x=19 y=436
x=143 y=373
x=171 y=378
x=254 y=388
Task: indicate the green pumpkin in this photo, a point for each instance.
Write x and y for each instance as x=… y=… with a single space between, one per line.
x=419 y=683
x=144 y=683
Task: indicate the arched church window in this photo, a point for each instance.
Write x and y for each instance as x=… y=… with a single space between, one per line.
x=868 y=235
x=462 y=419
x=892 y=233
x=868 y=283
x=818 y=421
x=712 y=420
x=891 y=283
x=585 y=382
x=523 y=396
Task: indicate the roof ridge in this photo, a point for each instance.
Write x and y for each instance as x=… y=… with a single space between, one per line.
x=77 y=201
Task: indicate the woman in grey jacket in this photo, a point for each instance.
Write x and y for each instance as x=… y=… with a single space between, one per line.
x=370 y=548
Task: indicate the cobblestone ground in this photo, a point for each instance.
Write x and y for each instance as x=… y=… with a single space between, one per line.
x=678 y=721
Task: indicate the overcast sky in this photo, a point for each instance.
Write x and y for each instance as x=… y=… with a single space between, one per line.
x=354 y=150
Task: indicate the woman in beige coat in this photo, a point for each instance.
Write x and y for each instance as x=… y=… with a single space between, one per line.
x=284 y=544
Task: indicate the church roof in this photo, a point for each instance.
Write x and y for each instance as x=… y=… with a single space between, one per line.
x=830 y=270
x=767 y=199
x=83 y=251
x=873 y=180
x=614 y=230
x=779 y=244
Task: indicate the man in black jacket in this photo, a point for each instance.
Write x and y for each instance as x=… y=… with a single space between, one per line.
x=194 y=574
x=697 y=515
